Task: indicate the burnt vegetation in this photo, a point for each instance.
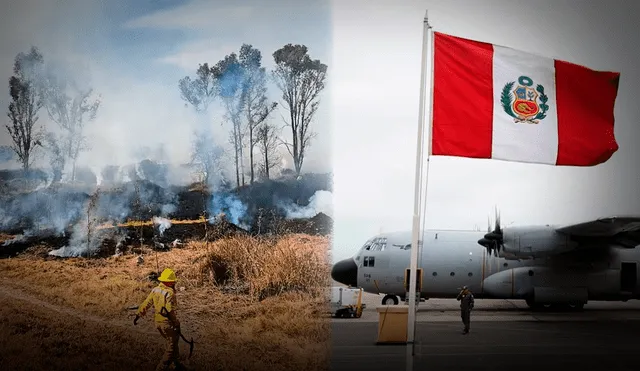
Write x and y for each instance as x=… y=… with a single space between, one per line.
x=78 y=212
x=133 y=213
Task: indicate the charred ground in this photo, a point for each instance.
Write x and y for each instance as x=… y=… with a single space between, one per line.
x=122 y=214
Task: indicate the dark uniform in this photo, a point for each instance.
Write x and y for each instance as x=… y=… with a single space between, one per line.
x=466 y=305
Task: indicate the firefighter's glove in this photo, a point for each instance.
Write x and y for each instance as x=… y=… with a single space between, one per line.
x=135 y=320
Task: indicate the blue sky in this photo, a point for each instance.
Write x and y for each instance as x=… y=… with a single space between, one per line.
x=133 y=48
x=134 y=52
x=161 y=32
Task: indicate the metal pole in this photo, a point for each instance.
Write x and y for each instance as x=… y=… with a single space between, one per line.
x=413 y=267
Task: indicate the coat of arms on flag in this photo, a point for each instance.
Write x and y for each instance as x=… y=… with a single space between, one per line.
x=524 y=103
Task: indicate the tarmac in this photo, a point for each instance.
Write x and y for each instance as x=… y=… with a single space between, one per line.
x=504 y=335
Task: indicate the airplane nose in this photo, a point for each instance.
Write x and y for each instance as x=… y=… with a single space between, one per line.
x=346 y=272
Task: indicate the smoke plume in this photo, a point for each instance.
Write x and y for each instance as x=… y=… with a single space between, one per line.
x=231 y=206
x=320 y=202
x=6 y=154
x=162 y=223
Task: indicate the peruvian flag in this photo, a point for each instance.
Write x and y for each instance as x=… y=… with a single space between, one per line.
x=500 y=103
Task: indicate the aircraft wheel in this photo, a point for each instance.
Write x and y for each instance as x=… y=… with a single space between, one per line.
x=390 y=300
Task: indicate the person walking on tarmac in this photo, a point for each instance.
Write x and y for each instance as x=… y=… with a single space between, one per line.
x=163 y=299
x=465 y=297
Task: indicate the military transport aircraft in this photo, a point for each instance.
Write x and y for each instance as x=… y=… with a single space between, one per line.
x=544 y=265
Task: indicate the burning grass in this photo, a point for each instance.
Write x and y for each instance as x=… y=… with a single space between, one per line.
x=250 y=303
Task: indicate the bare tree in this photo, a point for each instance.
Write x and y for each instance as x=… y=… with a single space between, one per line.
x=207 y=155
x=71 y=111
x=254 y=97
x=56 y=155
x=301 y=80
x=26 y=101
x=229 y=76
x=268 y=143
x=200 y=92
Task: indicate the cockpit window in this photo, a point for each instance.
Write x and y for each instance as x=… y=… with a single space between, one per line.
x=407 y=246
x=375 y=244
x=369 y=261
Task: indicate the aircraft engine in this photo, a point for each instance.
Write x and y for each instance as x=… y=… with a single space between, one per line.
x=526 y=242
x=541 y=284
x=535 y=243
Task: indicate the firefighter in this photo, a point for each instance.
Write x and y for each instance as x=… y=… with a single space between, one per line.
x=163 y=300
x=465 y=297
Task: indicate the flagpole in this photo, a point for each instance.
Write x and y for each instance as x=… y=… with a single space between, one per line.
x=413 y=267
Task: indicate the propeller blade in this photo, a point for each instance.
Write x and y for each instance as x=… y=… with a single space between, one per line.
x=493 y=240
x=493 y=236
x=485 y=242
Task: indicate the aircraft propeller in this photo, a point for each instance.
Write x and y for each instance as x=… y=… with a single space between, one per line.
x=493 y=240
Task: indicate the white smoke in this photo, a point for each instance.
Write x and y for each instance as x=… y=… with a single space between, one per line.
x=163 y=224
x=79 y=244
x=320 y=202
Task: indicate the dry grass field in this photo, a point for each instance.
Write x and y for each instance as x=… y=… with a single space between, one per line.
x=249 y=303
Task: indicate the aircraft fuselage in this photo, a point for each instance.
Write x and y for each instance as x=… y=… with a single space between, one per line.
x=451 y=259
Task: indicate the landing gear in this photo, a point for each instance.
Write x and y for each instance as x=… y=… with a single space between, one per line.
x=390 y=300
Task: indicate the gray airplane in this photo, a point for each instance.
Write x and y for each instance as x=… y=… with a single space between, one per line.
x=544 y=265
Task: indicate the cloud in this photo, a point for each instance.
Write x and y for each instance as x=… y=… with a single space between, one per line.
x=194 y=53
x=267 y=28
x=199 y=15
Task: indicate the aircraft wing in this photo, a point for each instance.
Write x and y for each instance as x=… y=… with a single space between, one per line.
x=624 y=230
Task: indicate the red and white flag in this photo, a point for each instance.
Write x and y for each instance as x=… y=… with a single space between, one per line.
x=500 y=103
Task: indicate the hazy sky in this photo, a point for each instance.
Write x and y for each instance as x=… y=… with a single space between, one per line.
x=134 y=52
x=376 y=51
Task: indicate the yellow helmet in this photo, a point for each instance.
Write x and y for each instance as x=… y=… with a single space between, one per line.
x=167 y=276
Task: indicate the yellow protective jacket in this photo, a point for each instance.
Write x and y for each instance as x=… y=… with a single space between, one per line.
x=160 y=296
